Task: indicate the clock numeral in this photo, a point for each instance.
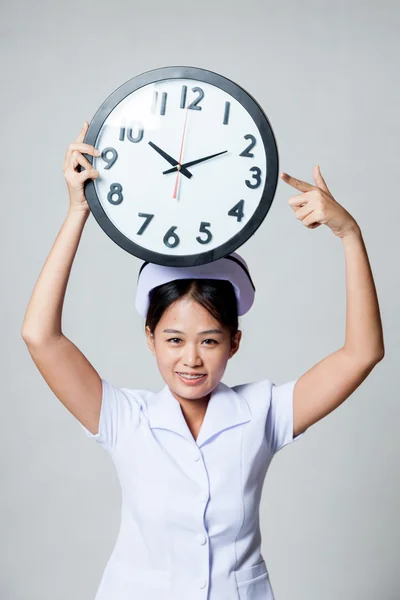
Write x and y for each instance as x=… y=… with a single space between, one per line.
x=171 y=234
x=237 y=211
x=226 y=113
x=115 y=190
x=246 y=151
x=164 y=96
x=203 y=229
x=129 y=135
x=109 y=161
x=183 y=96
x=163 y=103
x=256 y=176
x=147 y=221
x=192 y=105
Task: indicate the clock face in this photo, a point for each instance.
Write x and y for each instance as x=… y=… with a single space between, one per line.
x=188 y=168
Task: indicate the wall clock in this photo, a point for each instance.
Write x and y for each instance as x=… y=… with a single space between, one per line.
x=188 y=167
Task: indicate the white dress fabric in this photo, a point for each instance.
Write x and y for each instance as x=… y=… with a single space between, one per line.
x=190 y=508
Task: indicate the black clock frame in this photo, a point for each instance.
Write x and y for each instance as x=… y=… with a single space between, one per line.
x=267 y=136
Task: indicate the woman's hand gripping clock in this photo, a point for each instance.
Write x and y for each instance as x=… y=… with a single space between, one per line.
x=75 y=179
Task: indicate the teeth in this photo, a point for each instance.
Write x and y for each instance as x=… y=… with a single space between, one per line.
x=190 y=376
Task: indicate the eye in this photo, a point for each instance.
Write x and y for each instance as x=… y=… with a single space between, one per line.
x=207 y=340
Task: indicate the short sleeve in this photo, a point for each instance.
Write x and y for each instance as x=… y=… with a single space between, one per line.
x=119 y=410
x=279 y=427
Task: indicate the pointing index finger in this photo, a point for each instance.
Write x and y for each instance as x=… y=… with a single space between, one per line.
x=303 y=186
x=82 y=133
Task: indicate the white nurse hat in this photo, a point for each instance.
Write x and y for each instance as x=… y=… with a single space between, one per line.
x=231 y=267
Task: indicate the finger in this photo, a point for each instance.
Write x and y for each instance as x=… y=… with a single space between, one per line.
x=300 y=199
x=303 y=212
x=297 y=183
x=82 y=132
x=86 y=148
x=89 y=174
x=80 y=147
x=319 y=180
x=311 y=221
x=75 y=158
x=78 y=158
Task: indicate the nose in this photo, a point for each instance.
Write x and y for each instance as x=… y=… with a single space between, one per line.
x=191 y=357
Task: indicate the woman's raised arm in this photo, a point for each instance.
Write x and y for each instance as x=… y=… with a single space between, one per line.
x=325 y=386
x=65 y=369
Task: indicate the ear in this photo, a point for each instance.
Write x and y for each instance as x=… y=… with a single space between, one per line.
x=150 y=340
x=235 y=343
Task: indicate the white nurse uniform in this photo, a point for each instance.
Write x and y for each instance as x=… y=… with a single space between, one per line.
x=190 y=508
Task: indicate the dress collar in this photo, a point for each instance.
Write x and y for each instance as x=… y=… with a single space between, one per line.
x=225 y=409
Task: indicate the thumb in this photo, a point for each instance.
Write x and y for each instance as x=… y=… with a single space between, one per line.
x=82 y=133
x=319 y=180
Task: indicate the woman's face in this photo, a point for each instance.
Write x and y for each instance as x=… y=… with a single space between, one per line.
x=183 y=343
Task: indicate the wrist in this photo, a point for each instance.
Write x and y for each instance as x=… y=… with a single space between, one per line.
x=78 y=213
x=353 y=231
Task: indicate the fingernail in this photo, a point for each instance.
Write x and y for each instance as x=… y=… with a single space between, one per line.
x=98 y=152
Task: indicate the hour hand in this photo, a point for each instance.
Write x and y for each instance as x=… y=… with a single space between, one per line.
x=171 y=161
x=194 y=162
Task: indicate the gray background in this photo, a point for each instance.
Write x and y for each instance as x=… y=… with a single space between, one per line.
x=326 y=74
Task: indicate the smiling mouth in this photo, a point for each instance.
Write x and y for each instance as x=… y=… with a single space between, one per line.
x=191 y=377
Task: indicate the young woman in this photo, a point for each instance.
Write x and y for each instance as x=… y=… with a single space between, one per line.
x=192 y=458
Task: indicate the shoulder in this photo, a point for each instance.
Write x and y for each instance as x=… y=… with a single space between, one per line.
x=253 y=388
x=126 y=398
x=256 y=393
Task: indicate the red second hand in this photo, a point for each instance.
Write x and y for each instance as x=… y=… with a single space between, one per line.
x=180 y=157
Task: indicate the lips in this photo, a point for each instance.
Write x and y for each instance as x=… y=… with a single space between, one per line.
x=191 y=381
x=184 y=373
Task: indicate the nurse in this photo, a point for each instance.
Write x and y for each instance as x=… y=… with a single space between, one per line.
x=192 y=458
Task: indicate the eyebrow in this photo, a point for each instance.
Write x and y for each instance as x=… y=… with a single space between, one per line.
x=200 y=332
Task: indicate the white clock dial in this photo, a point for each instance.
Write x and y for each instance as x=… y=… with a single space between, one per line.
x=183 y=167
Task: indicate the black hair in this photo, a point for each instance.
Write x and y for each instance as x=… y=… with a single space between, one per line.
x=215 y=295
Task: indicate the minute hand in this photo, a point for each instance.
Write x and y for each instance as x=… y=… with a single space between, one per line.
x=193 y=162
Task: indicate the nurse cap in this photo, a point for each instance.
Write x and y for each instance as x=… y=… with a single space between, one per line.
x=231 y=267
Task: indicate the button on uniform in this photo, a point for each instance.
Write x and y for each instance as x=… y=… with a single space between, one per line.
x=203 y=496
x=201 y=538
x=202 y=583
